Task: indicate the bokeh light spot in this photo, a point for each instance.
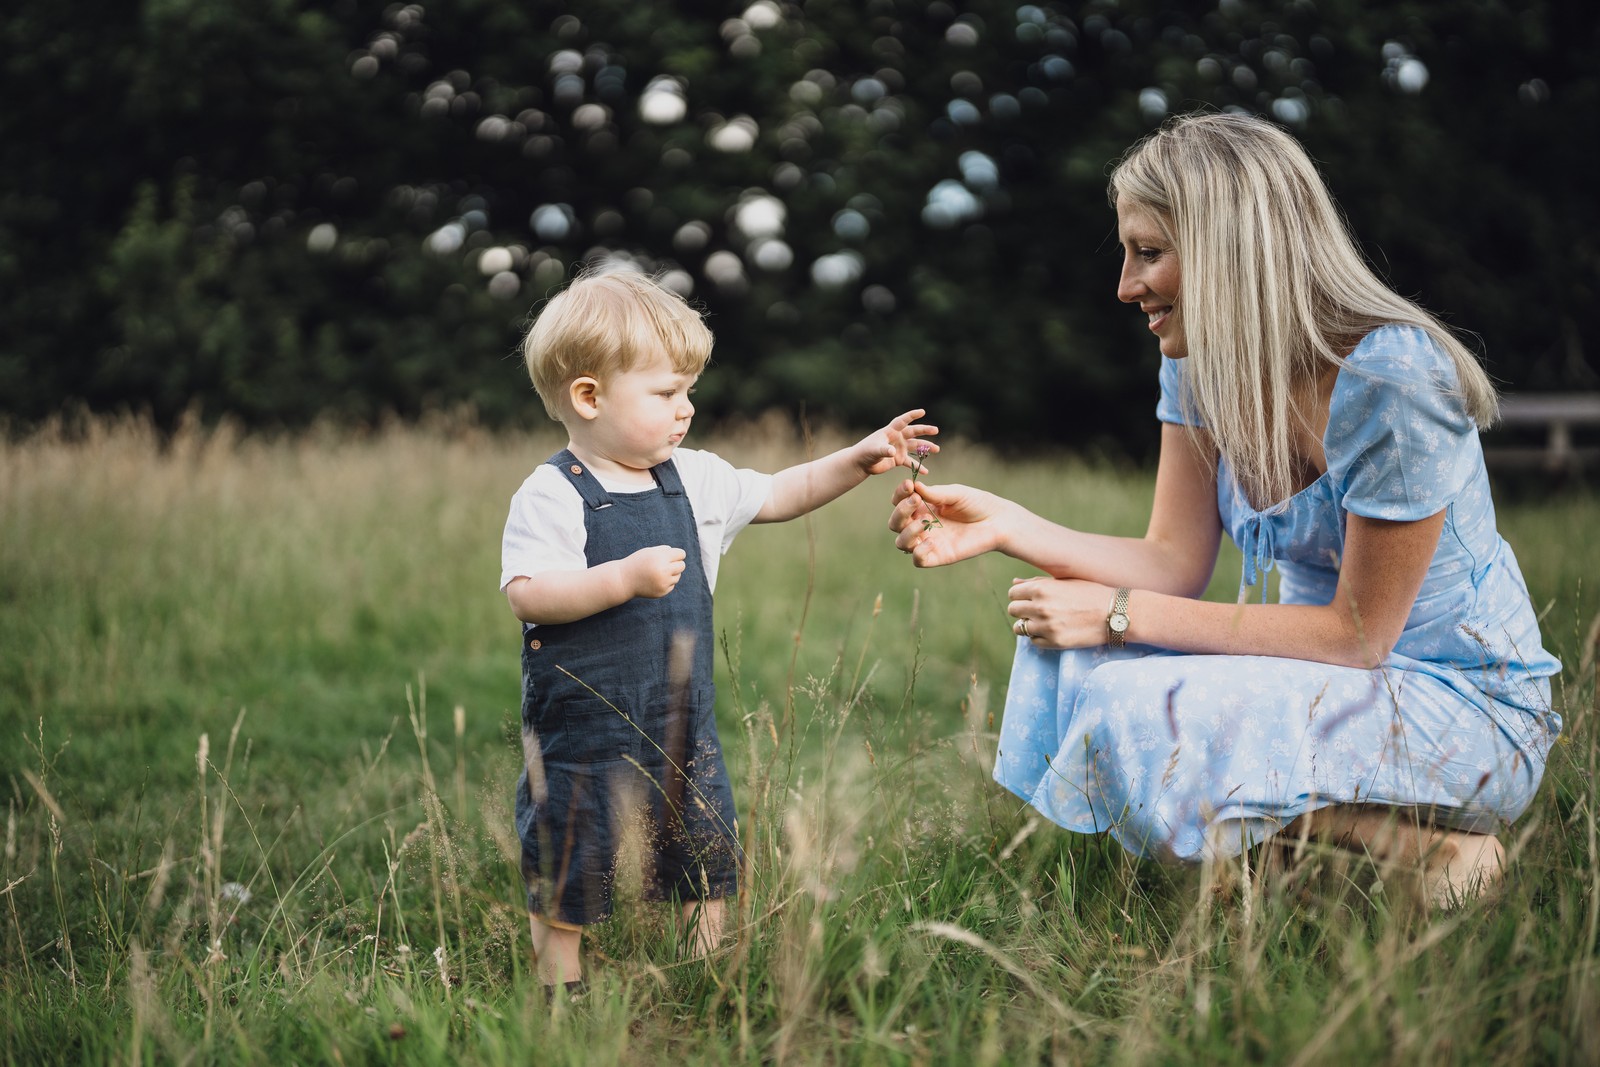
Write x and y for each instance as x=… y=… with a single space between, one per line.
x=837 y=269
x=322 y=238
x=692 y=236
x=961 y=34
x=949 y=204
x=494 y=261
x=552 y=222
x=505 y=285
x=447 y=239
x=759 y=215
x=678 y=280
x=878 y=300
x=771 y=254
x=851 y=225
x=726 y=271
x=736 y=135
x=663 y=102
x=979 y=170
x=762 y=15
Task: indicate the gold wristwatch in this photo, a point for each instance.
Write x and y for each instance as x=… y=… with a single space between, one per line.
x=1117 y=621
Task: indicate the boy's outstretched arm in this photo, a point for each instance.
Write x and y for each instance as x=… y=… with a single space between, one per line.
x=567 y=596
x=807 y=486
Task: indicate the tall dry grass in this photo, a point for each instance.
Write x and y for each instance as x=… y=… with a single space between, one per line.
x=259 y=707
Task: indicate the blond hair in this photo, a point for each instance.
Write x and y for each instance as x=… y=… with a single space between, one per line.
x=608 y=322
x=1274 y=292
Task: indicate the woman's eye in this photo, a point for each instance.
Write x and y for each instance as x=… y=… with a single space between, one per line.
x=1149 y=255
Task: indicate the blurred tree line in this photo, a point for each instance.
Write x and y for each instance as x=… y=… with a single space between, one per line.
x=284 y=210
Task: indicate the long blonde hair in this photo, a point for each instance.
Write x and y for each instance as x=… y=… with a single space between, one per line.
x=1274 y=292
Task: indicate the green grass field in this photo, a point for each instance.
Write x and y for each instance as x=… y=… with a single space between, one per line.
x=259 y=732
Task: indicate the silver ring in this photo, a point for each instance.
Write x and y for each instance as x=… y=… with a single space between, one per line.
x=1020 y=628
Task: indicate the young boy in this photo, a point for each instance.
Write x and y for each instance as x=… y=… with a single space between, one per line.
x=609 y=557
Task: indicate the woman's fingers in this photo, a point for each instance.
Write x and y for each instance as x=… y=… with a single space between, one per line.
x=902 y=516
x=902 y=520
x=1023 y=589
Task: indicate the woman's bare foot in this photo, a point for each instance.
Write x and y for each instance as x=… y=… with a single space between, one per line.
x=1452 y=866
x=1462 y=867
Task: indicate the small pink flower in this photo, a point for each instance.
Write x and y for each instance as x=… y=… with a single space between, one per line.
x=921 y=451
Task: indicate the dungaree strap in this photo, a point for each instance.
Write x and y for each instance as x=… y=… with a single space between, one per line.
x=594 y=494
x=588 y=486
x=666 y=475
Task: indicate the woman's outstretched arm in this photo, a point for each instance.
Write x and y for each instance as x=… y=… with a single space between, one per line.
x=1382 y=569
x=1176 y=555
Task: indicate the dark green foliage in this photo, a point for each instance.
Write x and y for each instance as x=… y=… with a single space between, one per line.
x=165 y=167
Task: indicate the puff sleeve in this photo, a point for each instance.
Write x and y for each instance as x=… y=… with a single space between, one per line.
x=1400 y=444
x=1170 y=407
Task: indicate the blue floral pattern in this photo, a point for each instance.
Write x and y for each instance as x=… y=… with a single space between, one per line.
x=1184 y=756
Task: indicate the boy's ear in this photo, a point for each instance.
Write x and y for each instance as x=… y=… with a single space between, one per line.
x=584 y=394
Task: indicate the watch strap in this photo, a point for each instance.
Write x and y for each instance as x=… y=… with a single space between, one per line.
x=1117 y=636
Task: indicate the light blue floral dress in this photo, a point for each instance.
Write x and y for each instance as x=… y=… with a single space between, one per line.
x=1185 y=756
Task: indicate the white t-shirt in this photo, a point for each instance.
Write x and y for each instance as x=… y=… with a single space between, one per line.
x=545 y=532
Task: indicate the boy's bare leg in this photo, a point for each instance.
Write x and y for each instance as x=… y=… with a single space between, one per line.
x=708 y=921
x=1455 y=865
x=555 y=950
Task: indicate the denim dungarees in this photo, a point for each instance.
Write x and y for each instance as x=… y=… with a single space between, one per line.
x=598 y=708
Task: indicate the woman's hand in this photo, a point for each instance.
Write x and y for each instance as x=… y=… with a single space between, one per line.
x=1060 y=612
x=940 y=524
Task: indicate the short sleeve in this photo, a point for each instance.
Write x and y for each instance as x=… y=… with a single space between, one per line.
x=544 y=529
x=1170 y=407
x=726 y=498
x=1400 y=444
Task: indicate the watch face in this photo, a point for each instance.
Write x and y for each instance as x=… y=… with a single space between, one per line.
x=1118 y=622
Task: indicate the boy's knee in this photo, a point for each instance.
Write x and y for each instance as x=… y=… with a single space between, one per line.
x=549 y=922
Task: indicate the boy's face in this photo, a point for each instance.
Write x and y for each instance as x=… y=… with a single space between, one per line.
x=641 y=415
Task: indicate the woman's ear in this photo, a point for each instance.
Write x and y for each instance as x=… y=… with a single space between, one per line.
x=584 y=394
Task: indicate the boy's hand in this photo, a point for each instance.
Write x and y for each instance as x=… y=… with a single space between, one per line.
x=896 y=445
x=807 y=486
x=654 y=571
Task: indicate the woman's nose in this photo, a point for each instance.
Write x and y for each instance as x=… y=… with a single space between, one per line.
x=1129 y=287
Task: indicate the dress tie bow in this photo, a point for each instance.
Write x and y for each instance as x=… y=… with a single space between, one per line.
x=1260 y=554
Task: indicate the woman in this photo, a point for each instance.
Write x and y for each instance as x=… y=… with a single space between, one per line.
x=1398 y=689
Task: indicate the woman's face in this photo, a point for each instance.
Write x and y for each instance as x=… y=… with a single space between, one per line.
x=1150 y=275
